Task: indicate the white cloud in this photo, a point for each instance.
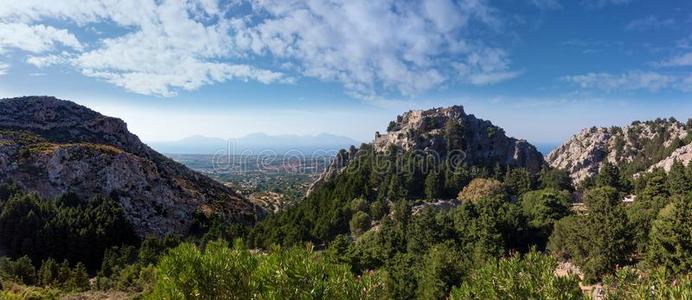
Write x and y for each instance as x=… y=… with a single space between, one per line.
x=49 y=60
x=633 y=80
x=684 y=60
x=484 y=67
x=171 y=45
x=370 y=47
x=35 y=38
x=3 y=68
x=650 y=22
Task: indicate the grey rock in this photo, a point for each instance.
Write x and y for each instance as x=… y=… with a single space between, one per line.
x=51 y=147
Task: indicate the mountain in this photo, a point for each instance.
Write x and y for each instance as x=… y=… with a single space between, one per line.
x=481 y=141
x=634 y=148
x=256 y=143
x=442 y=131
x=52 y=147
x=426 y=155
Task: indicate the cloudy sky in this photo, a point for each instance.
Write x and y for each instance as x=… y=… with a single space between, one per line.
x=540 y=68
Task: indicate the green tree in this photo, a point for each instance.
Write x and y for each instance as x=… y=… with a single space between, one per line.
x=609 y=175
x=454 y=134
x=378 y=209
x=359 y=204
x=542 y=209
x=607 y=236
x=48 y=273
x=678 y=181
x=481 y=188
x=556 y=179
x=442 y=268
x=670 y=244
x=360 y=223
x=79 y=279
x=433 y=185
x=400 y=278
x=517 y=181
x=646 y=207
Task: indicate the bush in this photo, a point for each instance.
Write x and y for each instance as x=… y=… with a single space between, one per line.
x=220 y=272
x=360 y=223
x=528 y=277
x=628 y=284
x=481 y=188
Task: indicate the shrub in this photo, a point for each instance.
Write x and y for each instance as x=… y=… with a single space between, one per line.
x=628 y=284
x=528 y=277
x=220 y=272
x=481 y=188
x=360 y=223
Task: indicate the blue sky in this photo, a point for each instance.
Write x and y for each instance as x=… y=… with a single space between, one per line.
x=542 y=69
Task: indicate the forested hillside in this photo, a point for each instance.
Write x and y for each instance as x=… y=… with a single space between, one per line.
x=410 y=219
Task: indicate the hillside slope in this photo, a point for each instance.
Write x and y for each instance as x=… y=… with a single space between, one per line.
x=52 y=147
x=425 y=156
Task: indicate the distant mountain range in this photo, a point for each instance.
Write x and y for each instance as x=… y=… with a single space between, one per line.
x=256 y=143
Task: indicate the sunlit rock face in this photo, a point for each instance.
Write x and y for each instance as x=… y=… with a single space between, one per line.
x=584 y=153
x=52 y=147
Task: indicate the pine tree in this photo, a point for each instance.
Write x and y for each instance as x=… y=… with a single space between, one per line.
x=678 y=182
x=433 y=185
x=517 y=181
x=609 y=175
x=607 y=243
x=79 y=278
x=670 y=242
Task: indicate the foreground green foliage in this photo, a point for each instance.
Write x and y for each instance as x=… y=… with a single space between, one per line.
x=528 y=277
x=220 y=272
x=629 y=284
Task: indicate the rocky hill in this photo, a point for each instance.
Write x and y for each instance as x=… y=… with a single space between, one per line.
x=481 y=141
x=441 y=131
x=635 y=148
x=52 y=147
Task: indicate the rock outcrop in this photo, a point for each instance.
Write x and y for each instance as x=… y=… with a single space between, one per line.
x=480 y=140
x=334 y=168
x=584 y=153
x=52 y=147
x=682 y=155
x=476 y=141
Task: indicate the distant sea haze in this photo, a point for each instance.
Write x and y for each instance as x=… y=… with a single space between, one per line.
x=256 y=143
x=545 y=148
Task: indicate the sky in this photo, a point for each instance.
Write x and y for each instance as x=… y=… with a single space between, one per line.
x=542 y=69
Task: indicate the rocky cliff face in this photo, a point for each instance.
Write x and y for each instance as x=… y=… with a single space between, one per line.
x=638 y=146
x=443 y=130
x=481 y=141
x=52 y=147
x=682 y=155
